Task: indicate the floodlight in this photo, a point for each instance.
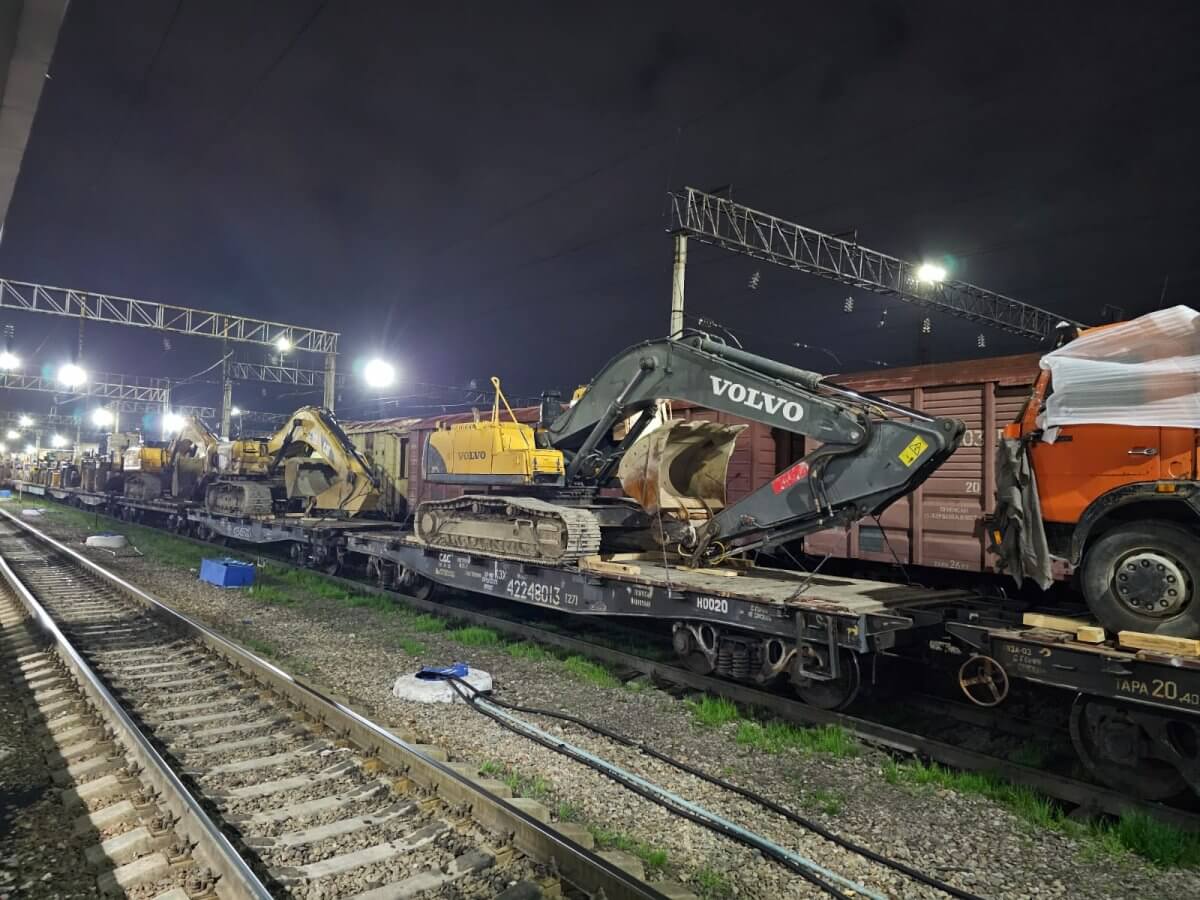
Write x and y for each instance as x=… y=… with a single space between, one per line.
x=9 y=361
x=71 y=375
x=102 y=417
x=379 y=374
x=25 y=421
x=931 y=273
x=57 y=440
x=283 y=344
x=172 y=422
x=12 y=434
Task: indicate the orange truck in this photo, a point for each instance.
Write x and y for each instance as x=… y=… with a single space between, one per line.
x=1105 y=486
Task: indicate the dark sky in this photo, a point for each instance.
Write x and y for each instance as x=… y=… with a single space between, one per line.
x=479 y=188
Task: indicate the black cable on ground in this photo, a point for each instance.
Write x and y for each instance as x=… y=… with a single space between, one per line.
x=561 y=747
x=747 y=794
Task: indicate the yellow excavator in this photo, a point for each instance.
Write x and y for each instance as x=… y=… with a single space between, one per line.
x=177 y=469
x=546 y=493
x=309 y=465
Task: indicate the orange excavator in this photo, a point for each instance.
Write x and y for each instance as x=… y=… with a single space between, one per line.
x=1097 y=479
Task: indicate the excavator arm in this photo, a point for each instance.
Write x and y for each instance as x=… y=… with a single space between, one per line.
x=320 y=462
x=191 y=458
x=871 y=453
x=194 y=439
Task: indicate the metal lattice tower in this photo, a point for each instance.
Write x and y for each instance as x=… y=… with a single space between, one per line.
x=716 y=220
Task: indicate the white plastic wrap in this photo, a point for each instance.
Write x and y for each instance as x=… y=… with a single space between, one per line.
x=1142 y=372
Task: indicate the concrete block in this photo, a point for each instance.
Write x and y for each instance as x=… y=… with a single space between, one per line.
x=120 y=880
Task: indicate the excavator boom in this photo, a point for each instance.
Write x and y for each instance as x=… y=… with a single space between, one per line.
x=321 y=465
x=871 y=453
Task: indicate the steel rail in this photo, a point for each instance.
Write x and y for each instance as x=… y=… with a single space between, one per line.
x=236 y=878
x=579 y=866
x=1091 y=798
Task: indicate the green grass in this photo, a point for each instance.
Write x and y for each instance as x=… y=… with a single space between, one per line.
x=520 y=783
x=713 y=885
x=270 y=593
x=1163 y=845
x=376 y=602
x=586 y=670
x=262 y=648
x=427 y=624
x=411 y=646
x=712 y=712
x=776 y=737
x=298 y=666
x=529 y=651
x=828 y=802
x=608 y=839
x=568 y=812
x=474 y=636
x=773 y=736
x=154 y=544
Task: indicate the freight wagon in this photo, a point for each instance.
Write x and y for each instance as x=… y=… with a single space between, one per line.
x=941 y=523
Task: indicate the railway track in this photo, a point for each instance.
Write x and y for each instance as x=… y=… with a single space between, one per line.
x=209 y=772
x=1086 y=797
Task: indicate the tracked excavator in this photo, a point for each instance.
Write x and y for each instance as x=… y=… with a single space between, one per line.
x=310 y=465
x=540 y=493
x=178 y=469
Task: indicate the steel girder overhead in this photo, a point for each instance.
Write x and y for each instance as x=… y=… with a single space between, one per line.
x=38 y=418
x=108 y=387
x=719 y=221
x=114 y=310
x=271 y=374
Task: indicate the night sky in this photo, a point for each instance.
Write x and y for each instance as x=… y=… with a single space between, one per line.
x=478 y=189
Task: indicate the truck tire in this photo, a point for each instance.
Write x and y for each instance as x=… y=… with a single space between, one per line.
x=1145 y=577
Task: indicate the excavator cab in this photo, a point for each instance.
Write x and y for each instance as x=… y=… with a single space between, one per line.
x=491 y=451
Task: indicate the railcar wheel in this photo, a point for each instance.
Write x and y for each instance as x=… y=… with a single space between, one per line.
x=1145 y=578
x=416 y=586
x=696 y=647
x=1124 y=748
x=834 y=694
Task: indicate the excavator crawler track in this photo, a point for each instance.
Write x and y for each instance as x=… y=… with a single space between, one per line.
x=512 y=527
x=239 y=498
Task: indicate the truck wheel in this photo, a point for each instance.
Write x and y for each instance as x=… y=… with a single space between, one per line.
x=1145 y=578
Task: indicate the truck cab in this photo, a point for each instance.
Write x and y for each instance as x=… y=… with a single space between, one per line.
x=1120 y=506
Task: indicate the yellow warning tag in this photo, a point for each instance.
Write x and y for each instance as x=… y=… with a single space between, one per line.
x=913 y=451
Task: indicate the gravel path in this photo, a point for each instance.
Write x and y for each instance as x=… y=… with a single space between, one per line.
x=966 y=840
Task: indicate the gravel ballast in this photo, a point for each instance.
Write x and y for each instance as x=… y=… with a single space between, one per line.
x=967 y=840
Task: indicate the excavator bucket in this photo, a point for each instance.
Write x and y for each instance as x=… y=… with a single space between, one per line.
x=679 y=468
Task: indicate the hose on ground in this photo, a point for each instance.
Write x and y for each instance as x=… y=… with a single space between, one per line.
x=778 y=809
x=810 y=871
